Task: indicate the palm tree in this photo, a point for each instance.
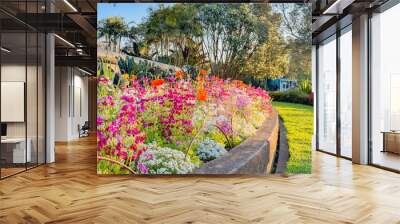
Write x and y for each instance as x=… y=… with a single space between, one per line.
x=104 y=30
x=113 y=28
x=134 y=34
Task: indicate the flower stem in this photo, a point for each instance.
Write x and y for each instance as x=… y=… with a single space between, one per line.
x=226 y=136
x=116 y=162
x=194 y=138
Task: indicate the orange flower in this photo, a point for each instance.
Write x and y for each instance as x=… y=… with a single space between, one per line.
x=216 y=78
x=202 y=72
x=157 y=82
x=202 y=95
x=200 y=79
x=239 y=83
x=179 y=74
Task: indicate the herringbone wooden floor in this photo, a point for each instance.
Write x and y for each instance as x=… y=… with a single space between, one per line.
x=70 y=192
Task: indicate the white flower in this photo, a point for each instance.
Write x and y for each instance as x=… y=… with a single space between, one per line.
x=163 y=160
x=209 y=150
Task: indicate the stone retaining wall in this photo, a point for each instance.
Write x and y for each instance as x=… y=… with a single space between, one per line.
x=254 y=156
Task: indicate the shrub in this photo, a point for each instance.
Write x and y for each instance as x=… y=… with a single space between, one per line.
x=164 y=160
x=293 y=96
x=305 y=86
x=209 y=150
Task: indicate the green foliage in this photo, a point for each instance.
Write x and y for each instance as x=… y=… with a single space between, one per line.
x=297 y=24
x=256 y=82
x=218 y=136
x=141 y=69
x=292 y=96
x=127 y=65
x=249 y=33
x=298 y=120
x=172 y=33
x=305 y=86
x=270 y=59
x=231 y=40
x=113 y=28
x=103 y=69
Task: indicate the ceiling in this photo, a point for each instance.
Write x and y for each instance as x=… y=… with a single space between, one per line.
x=330 y=15
x=74 y=22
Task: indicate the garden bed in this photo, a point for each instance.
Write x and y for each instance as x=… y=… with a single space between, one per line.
x=157 y=121
x=254 y=156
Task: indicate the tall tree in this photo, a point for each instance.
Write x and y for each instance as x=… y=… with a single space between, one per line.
x=229 y=36
x=297 y=25
x=271 y=57
x=173 y=32
x=113 y=28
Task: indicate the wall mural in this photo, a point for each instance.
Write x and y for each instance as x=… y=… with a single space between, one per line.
x=183 y=88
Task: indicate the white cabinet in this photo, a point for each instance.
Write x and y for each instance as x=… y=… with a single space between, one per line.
x=19 y=155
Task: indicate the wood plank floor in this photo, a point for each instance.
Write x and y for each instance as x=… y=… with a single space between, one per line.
x=69 y=191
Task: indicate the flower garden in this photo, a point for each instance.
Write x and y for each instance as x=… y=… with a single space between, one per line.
x=152 y=121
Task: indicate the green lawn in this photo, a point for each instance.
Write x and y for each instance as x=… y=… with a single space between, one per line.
x=298 y=120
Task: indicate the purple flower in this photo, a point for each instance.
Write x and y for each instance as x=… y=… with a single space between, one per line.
x=148 y=156
x=242 y=101
x=142 y=168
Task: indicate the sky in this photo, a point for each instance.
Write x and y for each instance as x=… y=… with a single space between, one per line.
x=130 y=11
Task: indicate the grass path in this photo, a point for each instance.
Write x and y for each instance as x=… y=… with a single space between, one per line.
x=298 y=120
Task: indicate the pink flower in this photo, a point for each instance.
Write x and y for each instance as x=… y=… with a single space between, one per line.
x=99 y=120
x=148 y=156
x=242 y=101
x=102 y=80
x=128 y=99
x=123 y=155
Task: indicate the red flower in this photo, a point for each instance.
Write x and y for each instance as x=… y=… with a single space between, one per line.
x=157 y=82
x=202 y=72
x=202 y=95
x=179 y=74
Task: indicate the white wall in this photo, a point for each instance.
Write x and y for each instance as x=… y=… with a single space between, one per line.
x=70 y=83
x=11 y=73
x=33 y=126
x=62 y=82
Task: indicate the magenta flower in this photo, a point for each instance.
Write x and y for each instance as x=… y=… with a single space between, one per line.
x=99 y=120
x=123 y=155
x=128 y=99
x=142 y=168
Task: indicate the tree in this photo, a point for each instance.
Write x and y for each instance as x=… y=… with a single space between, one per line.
x=233 y=40
x=229 y=36
x=297 y=24
x=271 y=57
x=113 y=28
x=172 y=33
x=135 y=41
x=103 y=30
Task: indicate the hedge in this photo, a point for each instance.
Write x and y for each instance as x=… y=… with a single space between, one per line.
x=293 y=96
